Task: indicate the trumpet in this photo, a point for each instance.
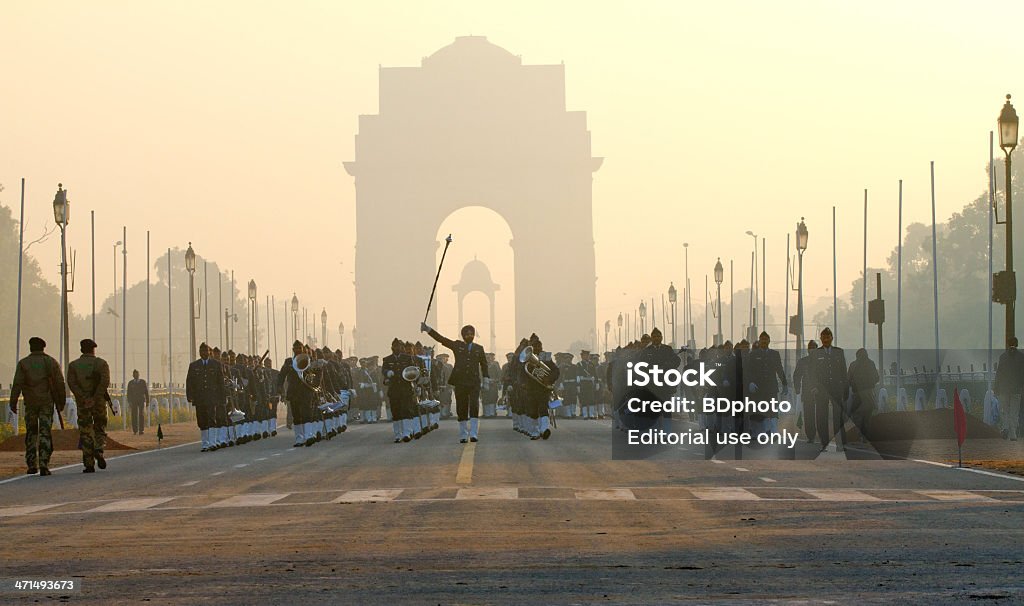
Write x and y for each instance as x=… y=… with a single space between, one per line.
x=535 y=368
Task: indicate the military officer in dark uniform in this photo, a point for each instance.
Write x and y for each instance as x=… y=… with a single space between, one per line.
x=567 y=383
x=762 y=374
x=490 y=387
x=803 y=379
x=273 y=394
x=586 y=385
x=204 y=389
x=470 y=365
x=39 y=379
x=829 y=390
x=88 y=378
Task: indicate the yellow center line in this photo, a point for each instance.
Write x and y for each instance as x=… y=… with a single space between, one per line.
x=465 y=473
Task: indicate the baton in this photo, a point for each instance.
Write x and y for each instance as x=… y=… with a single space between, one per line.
x=447 y=241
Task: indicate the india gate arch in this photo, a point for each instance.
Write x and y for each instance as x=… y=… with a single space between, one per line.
x=473 y=126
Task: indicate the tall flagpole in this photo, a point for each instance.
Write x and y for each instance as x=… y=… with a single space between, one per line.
x=92 y=239
x=864 y=280
x=170 y=337
x=21 y=254
x=899 y=299
x=206 y=303
x=991 y=211
x=935 y=288
x=835 y=298
x=149 y=376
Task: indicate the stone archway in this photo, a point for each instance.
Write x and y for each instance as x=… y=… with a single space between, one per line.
x=476 y=277
x=473 y=126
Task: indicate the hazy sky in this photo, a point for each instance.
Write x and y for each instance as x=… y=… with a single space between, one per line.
x=226 y=124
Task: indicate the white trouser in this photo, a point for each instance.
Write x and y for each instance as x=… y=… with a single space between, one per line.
x=463 y=430
x=474 y=427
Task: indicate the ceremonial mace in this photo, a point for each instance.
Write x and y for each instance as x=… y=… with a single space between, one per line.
x=447 y=242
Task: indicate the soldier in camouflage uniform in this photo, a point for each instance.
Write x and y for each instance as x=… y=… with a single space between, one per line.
x=38 y=377
x=88 y=378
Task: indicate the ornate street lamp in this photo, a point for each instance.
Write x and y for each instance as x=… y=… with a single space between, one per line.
x=1004 y=283
x=801 y=246
x=252 y=302
x=672 y=294
x=719 y=278
x=62 y=216
x=295 y=317
x=341 y=337
x=643 y=318
x=619 y=321
x=323 y=327
x=190 y=267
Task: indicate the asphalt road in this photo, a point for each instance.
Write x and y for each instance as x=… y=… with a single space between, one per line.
x=359 y=520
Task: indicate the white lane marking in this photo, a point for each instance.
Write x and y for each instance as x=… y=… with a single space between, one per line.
x=131 y=504
x=724 y=494
x=488 y=493
x=717 y=461
x=216 y=473
x=276 y=454
x=608 y=494
x=241 y=465
x=249 y=500
x=192 y=483
x=994 y=474
x=839 y=494
x=741 y=469
x=464 y=475
x=767 y=480
x=358 y=496
x=262 y=459
x=77 y=465
x=930 y=463
x=25 y=509
x=954 y=495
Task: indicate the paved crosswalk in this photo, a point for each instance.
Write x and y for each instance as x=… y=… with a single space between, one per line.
x=545 y=493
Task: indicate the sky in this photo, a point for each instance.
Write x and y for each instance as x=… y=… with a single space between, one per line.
x=226 y=124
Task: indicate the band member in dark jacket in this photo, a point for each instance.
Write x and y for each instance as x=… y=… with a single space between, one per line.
x=401 y=393
x=1008 y=386
x=863 y=377
x=803 y=380
x=470 y=365
x=762 y=374
x=829 y=389
x=300 y=398
x=204 y=389
x=538 y=395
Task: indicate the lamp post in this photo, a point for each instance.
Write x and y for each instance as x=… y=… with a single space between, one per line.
x=619 y=321
x=341 y=337
x=687 y=312
x=190 y=267
x=295 y=317
x=607 y=328
x=801 y=246
x=1004 y=283
x=753 y=290
x=323 y=327
x=643 y=318
x=252 y=299
x=113 y=310
x=62 y=216
x=672 y=294
x=719 y=278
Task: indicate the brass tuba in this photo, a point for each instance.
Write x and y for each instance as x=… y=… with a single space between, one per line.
x=309 y=371
x=535 y=369
x=411 y=373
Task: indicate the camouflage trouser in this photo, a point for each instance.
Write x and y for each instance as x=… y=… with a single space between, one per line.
x=38 y=420
x=92 y=425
